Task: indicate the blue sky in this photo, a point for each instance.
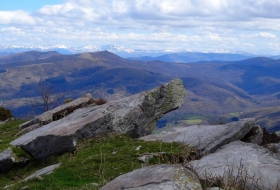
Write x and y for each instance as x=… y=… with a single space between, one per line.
x=170 y=25
x=27 y=5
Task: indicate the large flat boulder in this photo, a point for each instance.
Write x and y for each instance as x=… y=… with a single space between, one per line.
x=252 y=165
x=207 y=138
x=6 y=160
x=169 y=177
x=58 y=112
x=135 y=115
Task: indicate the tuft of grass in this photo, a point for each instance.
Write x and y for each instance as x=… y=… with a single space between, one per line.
x=193 y=121
x=8 y=132
x=234 y=114
x=97 y=161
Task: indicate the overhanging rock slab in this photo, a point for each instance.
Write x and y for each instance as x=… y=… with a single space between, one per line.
x=135 y=115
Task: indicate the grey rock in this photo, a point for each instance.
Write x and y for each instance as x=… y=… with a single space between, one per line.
x=58 y=112
x=6 y=121
x=207 y=138
x=25 y=188
x=44 y=171
x=165 y=177
x=255 y=135
x=6 y=160
x=135 y=115
x=94 y=184
x=254 y=166
x=145 y=158
x=8 y=186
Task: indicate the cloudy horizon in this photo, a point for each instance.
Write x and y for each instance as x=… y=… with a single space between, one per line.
x=206 y=25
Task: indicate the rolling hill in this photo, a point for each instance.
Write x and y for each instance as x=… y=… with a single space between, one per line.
x=188 y=57
x=213 y=87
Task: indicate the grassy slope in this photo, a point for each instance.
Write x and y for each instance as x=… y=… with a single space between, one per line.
x=92 y=162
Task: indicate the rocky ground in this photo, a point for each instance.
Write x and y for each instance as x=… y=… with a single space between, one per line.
x=237 y=155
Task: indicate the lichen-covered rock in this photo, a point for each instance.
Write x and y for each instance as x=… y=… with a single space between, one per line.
x=253 y=166
x=135 y=115
x=58 y=112
x=207 y=138
x=165 y=177
x=255 y=136
x=6 y=160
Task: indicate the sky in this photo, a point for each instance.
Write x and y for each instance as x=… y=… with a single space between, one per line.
x=251 y=26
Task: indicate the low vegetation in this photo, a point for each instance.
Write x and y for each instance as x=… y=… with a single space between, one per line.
x=5 y=114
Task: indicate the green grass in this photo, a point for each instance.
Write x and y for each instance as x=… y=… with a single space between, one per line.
x=234 y=114
x=193 y=121
x=93 y=162
x=8 y=132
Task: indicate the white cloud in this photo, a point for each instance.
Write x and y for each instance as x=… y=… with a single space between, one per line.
x=186 y=24
x=12 y=30
x=267 y=35
x=16 y=17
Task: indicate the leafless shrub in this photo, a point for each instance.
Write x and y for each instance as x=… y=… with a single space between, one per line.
x=233 y=177
x=100 y=101
x=48 y=99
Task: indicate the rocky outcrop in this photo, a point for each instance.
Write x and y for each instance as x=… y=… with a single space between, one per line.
x=254 y=166
x=207 y=138
x=6 y=160
x=135 y=115
x=156 y=177
x=58 y=112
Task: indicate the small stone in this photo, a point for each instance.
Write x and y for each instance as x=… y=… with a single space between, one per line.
x=94 y=184
x=145 y=158
x=8 y=186
x=1 y=141
x=215 y=188
x=138 y=148
x=25 y=188
x=40 y=178
x=44 y=171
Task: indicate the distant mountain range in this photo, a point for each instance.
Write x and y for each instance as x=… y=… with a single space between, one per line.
x=167 y=55
x=188 y=57
x=213 y=87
